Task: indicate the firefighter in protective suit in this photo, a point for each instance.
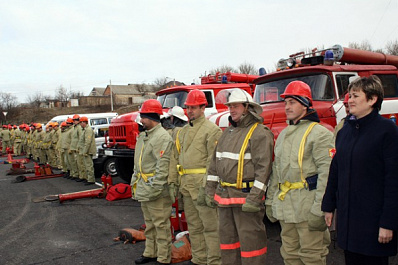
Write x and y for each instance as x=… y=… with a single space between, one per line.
x=192 y=153
x=237 y=179
x=149 y=183
x=300 y=171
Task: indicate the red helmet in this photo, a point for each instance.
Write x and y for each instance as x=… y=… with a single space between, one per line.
x=76 y=117
x=297 y=88
x=84 y=118
x=63 y=124
x=151 y=106
x=196 y=98
x=69 y=120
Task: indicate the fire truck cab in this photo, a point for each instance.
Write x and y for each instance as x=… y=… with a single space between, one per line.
x=117 y=153
x=328 y=73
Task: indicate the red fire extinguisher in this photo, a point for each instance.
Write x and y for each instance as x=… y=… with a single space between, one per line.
x=104 y=183
x=109 y=181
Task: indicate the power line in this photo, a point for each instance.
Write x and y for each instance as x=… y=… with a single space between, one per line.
x=385 y=11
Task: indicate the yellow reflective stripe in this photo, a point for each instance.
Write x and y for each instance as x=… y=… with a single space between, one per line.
x=239 y=177
x=182 y=171
x=178 y=144
x=301 y=149
x=285 y=187
x=244 y=184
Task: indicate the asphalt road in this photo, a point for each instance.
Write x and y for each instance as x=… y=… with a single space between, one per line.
x=79 y=231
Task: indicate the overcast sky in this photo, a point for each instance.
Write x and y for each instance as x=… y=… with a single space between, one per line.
x=85 y=44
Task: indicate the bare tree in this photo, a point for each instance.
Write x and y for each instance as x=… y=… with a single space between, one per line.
x=223 y=69
x=61 y=94
x=35 y=99
x=74 y=94
x=364 y=45
x=8 y=101
x=160 y=82
x=141 y=88
x=247 y=68
x=392 y=47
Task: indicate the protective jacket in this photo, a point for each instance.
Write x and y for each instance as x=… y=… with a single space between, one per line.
x=39 y=139
x=257 y=164
x=297 y=203
x=55 y=138
x=363 y=185
x=18 y=135
x=5 y=135
x=197 y=141
x=74 y=136
x=151 y=164
x=46 y=140
x=88 y=141
x=66 y=139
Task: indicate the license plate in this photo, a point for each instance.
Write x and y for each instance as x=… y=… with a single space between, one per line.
x=108 y=153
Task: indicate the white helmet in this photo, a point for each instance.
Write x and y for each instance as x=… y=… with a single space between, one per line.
x=138 y=119
x=178 y=112
x=237 y=95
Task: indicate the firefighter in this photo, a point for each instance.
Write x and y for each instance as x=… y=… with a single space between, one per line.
x=192 y=152
x=55 y=162
x=73 y=154
x=87 y=150
x=5 y=138
x=149 y=183
x=63 y=165
x=47 y=141
x=237 y=179
x=41 y=155
x=29 y=138
x=68 y=158
x=12 y=132
x=17 y=141
x=298 y=180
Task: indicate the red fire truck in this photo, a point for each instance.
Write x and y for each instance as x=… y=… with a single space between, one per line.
x=117 y=155
x=327 y=72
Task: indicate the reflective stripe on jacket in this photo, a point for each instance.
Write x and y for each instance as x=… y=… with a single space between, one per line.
x=256 y=167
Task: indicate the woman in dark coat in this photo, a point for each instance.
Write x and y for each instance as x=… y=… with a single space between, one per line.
x=363 y=179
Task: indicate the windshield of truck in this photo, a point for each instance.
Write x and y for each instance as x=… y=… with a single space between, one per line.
x=174 y=99
x=321 y=88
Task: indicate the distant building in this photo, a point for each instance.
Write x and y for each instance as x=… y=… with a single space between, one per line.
x=130 y=94
x=97 y=91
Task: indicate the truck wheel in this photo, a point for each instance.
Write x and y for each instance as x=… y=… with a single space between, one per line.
x=125 y=168
x=110 y=167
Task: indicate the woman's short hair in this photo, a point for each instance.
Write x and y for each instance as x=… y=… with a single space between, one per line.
x=371 y=86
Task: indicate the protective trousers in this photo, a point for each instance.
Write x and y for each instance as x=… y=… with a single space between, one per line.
x=88 y=168
x=303 y=247
x=65 y=161
x=243 y=239
x=42 y=156
x=203 y=232
x=5 y=144
x=158 y=233
x=72 y=164
x=17 y=148
x=80 y=166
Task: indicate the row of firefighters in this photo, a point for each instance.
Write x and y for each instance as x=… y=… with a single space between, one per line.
x=223 y=175
x=69 y=147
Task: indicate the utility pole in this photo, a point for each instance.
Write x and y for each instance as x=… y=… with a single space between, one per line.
x=110 y=86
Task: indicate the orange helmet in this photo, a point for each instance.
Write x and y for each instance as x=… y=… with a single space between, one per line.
x=38 y=125
x=55 y=124
x=50 y=124
x=76 y=117
x=196 y=98
x=69 y=120
x=297 y=88
x=151 y=106
x=15 y=126
x=84 y=118
x=63 y=124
